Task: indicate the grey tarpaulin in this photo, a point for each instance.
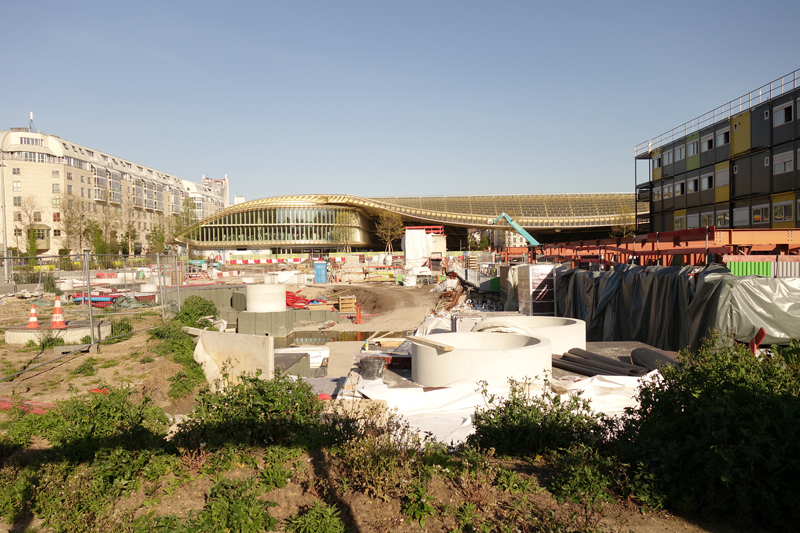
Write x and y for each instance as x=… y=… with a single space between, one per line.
x=672 y=308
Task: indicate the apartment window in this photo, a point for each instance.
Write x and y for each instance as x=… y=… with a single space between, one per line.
x=741 y=217
x=17 y=201
x=88 y=193
x=40 y=234
x=667 y=191
x=707 y=219
x=680 y=223
x=657 y=194
x=706 y=143
x=69 y=189
x=723 y=177
x=680 y=153
x=692 y=221
x=30 y=141
x=15 y=171
x=680 y=188
x=37 y=216
x=691 y=185
x=56 y=217
x=17 y=216
x=782 y=115
x=17 y=232
x=56 y=188
x=56 y=233
x=89 y=153
x=723 y=220
x=691 y=149
x=16 y=186
x=723 y=137
x=69 y=176
x=83 y=192
x=668 y=158
x=761 y=214
x=706 y=182
x=55 y=174
x=783 y=163
x=657 y=163
x=782 y=212
x=56 y=202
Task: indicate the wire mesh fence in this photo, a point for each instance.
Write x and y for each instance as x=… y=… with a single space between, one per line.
x=101 y=292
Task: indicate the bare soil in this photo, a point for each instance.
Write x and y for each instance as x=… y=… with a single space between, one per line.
x=134 y=363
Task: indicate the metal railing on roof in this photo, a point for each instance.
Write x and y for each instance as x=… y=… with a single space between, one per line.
x=763 y=94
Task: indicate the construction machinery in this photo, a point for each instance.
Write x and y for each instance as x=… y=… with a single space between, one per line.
x=528 y=237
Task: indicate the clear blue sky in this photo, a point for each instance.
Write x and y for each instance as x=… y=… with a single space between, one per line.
x=381 y=98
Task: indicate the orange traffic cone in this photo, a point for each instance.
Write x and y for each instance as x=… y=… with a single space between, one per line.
x=58 y=316
x=33 y=321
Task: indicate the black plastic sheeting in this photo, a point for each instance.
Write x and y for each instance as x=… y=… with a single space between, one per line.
x=672 y=308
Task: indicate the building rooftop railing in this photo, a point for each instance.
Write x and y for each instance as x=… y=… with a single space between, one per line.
x=763 y=94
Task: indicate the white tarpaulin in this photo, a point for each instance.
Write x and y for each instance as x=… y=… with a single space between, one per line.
x=447 y=413
x=417 y=247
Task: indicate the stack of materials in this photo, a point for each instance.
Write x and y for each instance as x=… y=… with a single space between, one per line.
x=643 y=361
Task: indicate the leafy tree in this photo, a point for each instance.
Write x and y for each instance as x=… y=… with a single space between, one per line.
x=389 y=228
x=95 y=234
x=157 y=237
x=185 y=220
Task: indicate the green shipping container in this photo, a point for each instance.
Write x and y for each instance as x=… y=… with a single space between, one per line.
x=751 y=268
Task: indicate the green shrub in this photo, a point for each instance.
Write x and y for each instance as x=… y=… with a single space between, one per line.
x=254 y=411
x=789 y=354
x=319 y=518
x=86 y=368
x=49 y=340
x=584 y=477
x=179 y=346
x=721 y=436
x=84 y=424
x=527 y=425
x=417 y=504
x=192 y=309
x=121 y=329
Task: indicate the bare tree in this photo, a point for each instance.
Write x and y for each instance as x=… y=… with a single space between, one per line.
x=625 y=227
x=389 y=228
x=27 y=215
x=76 y=217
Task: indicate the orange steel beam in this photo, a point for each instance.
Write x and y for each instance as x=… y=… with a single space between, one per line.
x=748 y=237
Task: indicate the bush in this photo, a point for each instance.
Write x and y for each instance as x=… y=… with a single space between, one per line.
x=84 y=424
x=528 y=425
x=180 y=347
x=192 y=309
x=254 y=411
x=721 y=436
x=319 y=518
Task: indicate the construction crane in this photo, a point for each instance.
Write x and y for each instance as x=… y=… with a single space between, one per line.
x=520 y=229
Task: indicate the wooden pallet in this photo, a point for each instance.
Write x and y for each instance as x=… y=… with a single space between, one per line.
x=347 y=304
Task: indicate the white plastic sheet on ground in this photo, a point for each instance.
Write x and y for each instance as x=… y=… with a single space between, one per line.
x=447 y=413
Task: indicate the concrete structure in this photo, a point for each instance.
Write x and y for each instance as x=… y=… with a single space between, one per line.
x=478 y=356
x=326 y=223
x=733 y=167
x=42 y=170
x=563 y=333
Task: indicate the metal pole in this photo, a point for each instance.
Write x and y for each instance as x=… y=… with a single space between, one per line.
x=88 y=294
x=178 y=276
x=160 y=285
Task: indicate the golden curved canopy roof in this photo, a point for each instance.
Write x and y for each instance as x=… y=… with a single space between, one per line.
x=532 y=211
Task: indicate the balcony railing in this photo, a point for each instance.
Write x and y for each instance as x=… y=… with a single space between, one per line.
x=748 y=101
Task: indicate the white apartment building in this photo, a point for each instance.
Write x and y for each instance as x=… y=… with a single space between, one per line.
x=39 y=170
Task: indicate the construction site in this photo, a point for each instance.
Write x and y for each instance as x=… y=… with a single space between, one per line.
x=425 y=334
